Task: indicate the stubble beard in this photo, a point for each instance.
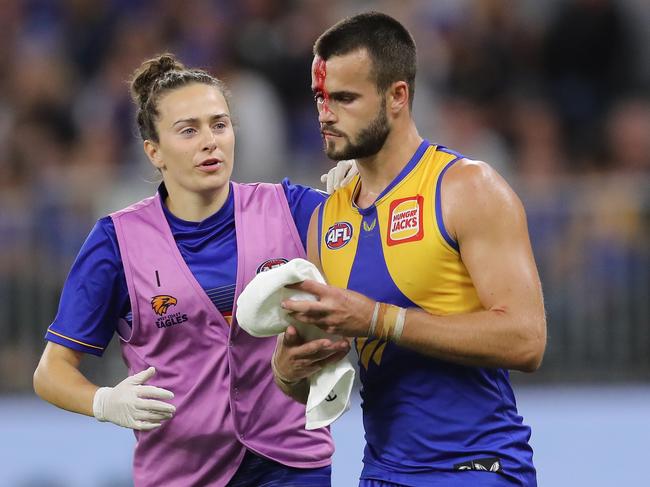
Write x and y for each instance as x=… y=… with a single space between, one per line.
x=370 y=139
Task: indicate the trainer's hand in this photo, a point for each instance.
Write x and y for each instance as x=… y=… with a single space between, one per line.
x=339 y=175
x=132 y=404
x=294 y=359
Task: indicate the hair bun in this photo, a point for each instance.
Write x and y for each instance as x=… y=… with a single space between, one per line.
x=149 y=72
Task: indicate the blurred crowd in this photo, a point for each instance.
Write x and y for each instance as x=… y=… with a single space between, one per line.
x=554 y=94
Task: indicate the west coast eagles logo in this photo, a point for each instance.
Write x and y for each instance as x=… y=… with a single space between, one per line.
x=267 y=265
x=160 y=305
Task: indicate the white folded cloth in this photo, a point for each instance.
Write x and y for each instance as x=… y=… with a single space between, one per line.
x=260 y=314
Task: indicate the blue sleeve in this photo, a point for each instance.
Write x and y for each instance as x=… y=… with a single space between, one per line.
x=94 y=295
x=303 y=200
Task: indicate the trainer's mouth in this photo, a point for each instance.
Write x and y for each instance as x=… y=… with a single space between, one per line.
x=210 y=162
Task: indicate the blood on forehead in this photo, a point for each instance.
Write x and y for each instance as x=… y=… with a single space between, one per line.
x=319 y=72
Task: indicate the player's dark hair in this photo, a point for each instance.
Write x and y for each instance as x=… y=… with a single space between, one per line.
x=389 y=44
x=159 y=75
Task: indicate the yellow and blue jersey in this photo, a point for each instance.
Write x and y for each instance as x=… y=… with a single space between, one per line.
x=423 y=417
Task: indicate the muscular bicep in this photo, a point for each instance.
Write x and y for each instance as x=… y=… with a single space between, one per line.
x=489 y=223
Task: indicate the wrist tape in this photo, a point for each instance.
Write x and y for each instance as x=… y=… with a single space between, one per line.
x=387 y=322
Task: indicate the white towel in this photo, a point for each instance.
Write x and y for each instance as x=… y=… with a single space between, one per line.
x=260 y=314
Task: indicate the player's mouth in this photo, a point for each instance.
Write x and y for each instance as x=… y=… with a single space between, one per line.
x=329 y=134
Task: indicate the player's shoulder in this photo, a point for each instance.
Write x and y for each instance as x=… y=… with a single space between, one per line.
x=470 y=171
x=475 y=194
x=475 y=180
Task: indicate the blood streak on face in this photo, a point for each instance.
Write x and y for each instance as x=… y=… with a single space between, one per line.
x=319 y=72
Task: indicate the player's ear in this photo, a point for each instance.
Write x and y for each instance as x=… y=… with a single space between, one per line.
x=152 y=149
x=398 y=97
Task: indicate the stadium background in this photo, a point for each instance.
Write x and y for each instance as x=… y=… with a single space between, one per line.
x=555 y=94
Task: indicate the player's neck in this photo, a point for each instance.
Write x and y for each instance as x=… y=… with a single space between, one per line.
x=378 y=171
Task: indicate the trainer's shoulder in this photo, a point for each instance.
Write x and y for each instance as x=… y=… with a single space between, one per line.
x=133 y=207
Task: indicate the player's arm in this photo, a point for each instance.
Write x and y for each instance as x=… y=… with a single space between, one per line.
x=295 y=360
x=489 y=223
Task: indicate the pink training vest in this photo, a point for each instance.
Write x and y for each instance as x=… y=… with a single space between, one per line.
x=225 y=397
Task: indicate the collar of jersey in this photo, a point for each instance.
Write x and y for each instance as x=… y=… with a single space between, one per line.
x=222 y=214
x=424 y=145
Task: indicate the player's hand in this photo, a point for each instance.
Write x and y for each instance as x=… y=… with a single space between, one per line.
x=294 y=359
x=339 y=175
x=132 y=404
x=336 y=311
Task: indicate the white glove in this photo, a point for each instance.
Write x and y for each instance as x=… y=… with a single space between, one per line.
x=339 y=175
x=125 y=404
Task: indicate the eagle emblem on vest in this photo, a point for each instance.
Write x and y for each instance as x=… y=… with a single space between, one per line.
x=162 y=302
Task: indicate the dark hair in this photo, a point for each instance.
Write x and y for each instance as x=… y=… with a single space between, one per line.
x=157 y=76
x=389 y=44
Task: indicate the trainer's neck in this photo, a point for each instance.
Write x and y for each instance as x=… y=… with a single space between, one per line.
x=195 y=206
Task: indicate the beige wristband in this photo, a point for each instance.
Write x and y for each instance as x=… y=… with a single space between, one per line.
x=387 y=322
x=373 y=322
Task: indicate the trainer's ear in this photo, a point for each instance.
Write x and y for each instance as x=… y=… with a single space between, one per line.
x=152 y=149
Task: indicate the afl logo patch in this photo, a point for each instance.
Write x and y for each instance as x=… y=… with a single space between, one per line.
x=267 y=265
x=338 y=235
x=405 y=220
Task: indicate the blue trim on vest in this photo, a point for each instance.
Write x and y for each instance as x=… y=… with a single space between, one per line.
x=447 y=150
x=319 y=209
x=438 y=204
x=424 y=145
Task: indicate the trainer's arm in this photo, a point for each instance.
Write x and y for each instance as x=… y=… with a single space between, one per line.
x=57 y=380
x=131 y=403
x=488 y=221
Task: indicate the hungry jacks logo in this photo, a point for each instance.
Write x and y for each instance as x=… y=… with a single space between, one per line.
x=160 y=305
x=405 y=220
